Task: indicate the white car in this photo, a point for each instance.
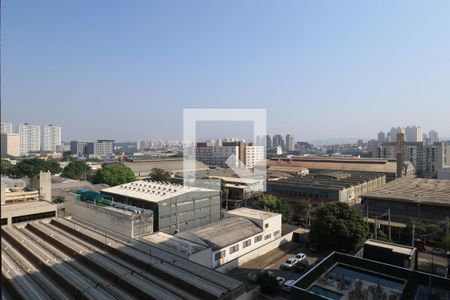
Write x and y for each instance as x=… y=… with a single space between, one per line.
x=300 y=256
x=286 y=287
x=291 y=262
x=280 y=280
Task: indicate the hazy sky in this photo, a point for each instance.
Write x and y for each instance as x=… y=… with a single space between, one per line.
x=322 y=69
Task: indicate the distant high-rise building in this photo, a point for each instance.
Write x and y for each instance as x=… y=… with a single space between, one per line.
x=290 y=142
x=52 y=138
x=30 y=138
x=360 y=143
x=10 y=144
x=6 y=127
x=100 y=148
x=268 y=141
x=414 y=134
x=392 y=135
x=278 y=141
x=381 y=137
x=78 y=148
x=433 y=136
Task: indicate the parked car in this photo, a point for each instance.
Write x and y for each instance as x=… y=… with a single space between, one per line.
x=301 y=267
x=300 y=256
x=291 y=262
x=286 y=287
x=270 y=273
x=280 y=280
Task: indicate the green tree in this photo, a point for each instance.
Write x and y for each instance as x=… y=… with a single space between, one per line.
x=445 y=242
x=7 y=168
x=76 y=170
x=32 y=167
x=268 y=283
x=67 y=156
x=114 y=174
x=158 y=174
x=274 y=204
x=339 y=227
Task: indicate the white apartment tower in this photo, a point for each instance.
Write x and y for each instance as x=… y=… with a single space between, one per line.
x=414 y=134
x=30 y=138
x=52 y=138
x=290 y=142
x=433 y=136
x=6 y=127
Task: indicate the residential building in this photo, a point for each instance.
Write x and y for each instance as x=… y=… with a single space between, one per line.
x=242 y=230
x=392 y=135
x=414 y=134
x=253 y=155
x=444 y=173
x=290 y=142
x=175 y=207
x=100 y=148
x=410 y=198
x=222 y=156
x=343 y=276
x=427 y=159
x=381 y=137
x=30 y=138
x=268 y=141
x=10 y=144
x=52 y=138
x=433 y=135
x=6 y=127
x=278 y=141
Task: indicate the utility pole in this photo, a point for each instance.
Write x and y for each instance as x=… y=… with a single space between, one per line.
x=367 y=211
x=448 y=229
x=413 y=232
x=376 y=227
x=389 y=221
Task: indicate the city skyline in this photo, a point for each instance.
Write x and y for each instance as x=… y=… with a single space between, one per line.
x=321 y=71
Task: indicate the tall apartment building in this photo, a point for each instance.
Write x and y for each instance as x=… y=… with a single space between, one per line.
x=10 y=144
x=392 y=134
x=433 y=136
x=78 y=148
x=278 y=141
x=52 y=138
x=414 y=134
x=212 y=155
x=427 y=159
x=268 y=141
x=381 y=138
x=30 y=138
x=6 y=127
x=290 y=142
x=253 y=155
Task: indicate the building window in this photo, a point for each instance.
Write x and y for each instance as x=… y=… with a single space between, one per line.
x=258 y=238
x=276 y=233
x=267 y=225
x=266 y=237
x=235 y=248
x=246 y=243
x=219 y=255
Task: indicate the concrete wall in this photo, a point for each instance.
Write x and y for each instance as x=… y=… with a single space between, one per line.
x=127 y=224
x=42 y=183
x=255 y=253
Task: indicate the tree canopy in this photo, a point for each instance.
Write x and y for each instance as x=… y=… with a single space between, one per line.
x=158 y=174
x=7 y=168
x=76 y=170
x=32 y=167
x=274 y=204
x=339 y=227
x=114 y=174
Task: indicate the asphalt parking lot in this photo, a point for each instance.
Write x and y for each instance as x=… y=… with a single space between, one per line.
x=272 y=261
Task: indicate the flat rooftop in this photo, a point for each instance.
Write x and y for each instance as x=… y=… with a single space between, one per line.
x=417 y=190
x=334 y=163
x=251 y=213
x=61 y=258
x=169 y=165
x=223 y=233
x=151 y=190
x=174 y=244
x=39 y=205
x=393 y=247
x=330 y=181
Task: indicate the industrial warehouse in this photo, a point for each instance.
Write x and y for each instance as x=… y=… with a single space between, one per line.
x=66 y=259
x=327 y=186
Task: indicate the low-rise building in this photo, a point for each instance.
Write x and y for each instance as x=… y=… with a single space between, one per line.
x=241 y=231
x=327 y=186
x=342 y=276
x=410 y=198
x=389 y=253
x=175 y=207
